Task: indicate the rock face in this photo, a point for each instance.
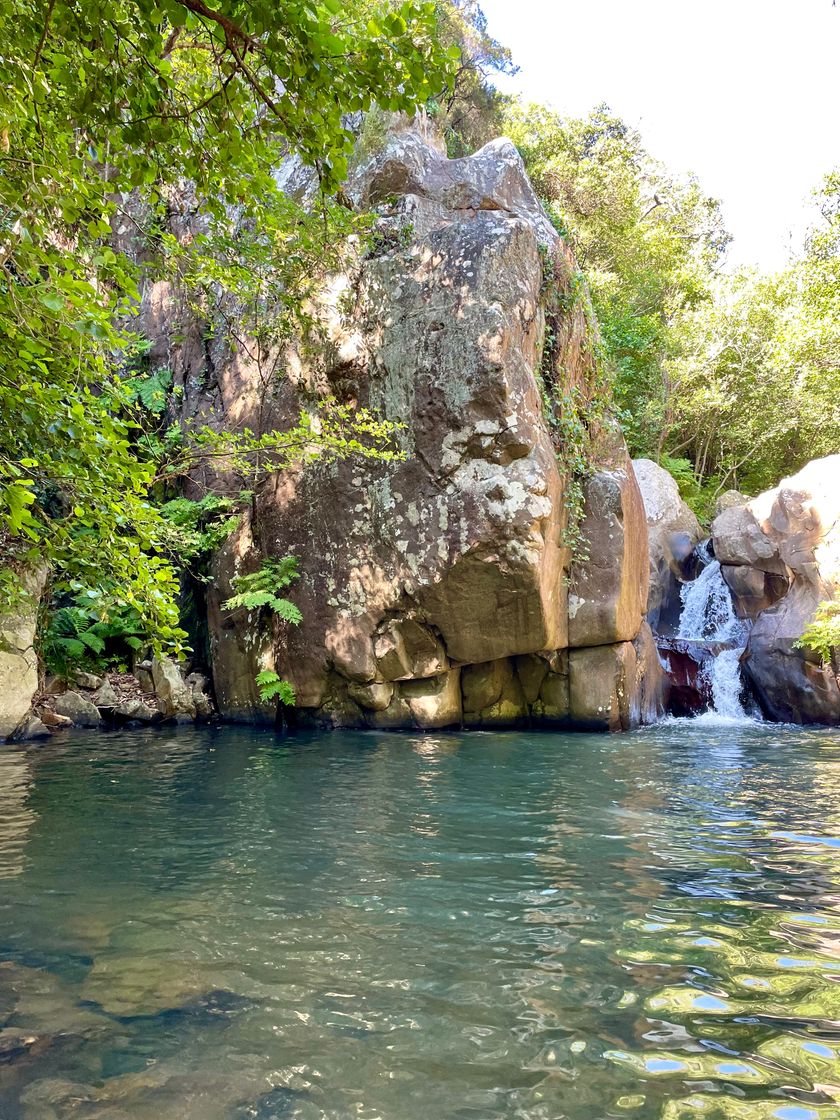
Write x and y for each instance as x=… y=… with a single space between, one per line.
x=18 y=660
x=433 y=589
x=780 y=555
x=673 y=532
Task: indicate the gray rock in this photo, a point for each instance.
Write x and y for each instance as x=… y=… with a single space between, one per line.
x=105 y=697
x=137 y=710
x=82 y=711
x=18 y=659
x=145 y=680
x=31 y=729
x=780 y=555
x=88 y=681
x=175 y=697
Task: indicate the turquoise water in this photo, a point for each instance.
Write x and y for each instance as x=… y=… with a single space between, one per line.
x=223 y=925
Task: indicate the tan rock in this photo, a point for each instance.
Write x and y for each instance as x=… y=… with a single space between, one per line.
x=435 y=702
x=602 y=680
x=374 y=696
x=531 y=670
x=673 y=531
x=493 y=695
x=18 y=660
x=173 y=693
x=609 y=587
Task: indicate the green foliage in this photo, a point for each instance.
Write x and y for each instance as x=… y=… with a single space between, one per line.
x=259 y=589
x=699 y=494
x=198 y=528
x=469 y=112
x=90 y=635
x=271 y=687
x=647 y=242
x=103 y=105
x=823 y=634
x=149 y=390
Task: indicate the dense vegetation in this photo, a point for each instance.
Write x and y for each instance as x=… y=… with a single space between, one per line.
x=729 y=379
x=108 y=108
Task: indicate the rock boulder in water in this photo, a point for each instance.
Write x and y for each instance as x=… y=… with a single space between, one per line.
x=413 y=572
x=780 y=554
x=18 y=659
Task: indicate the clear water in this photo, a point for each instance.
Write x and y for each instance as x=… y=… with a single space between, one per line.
x=219 y=925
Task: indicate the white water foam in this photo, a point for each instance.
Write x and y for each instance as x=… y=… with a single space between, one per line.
x=708 y=615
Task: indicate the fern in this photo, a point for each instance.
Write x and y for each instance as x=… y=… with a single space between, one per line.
x=82 y=637
x=259 y=589
x=271 y=687
x=822 y=635
x=150 y=390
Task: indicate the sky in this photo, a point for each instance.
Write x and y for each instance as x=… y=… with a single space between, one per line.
x=744 y=93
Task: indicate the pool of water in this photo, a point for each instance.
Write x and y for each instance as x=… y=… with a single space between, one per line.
x=224 y=925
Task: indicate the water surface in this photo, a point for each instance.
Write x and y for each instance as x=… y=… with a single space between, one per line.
x=222 y=925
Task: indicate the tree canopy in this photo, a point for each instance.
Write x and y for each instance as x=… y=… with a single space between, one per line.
x=108 y=101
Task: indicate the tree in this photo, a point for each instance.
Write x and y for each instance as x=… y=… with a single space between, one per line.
x=648 y=242
x=106 y=100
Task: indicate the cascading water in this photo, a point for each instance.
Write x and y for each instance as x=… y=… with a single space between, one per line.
x=708 y=616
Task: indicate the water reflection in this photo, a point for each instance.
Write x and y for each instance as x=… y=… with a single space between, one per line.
x=224 y=925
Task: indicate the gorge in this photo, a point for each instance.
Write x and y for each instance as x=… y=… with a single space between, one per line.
x=484 y=577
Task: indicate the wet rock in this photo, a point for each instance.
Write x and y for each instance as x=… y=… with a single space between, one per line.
x=277 y=1104
x=32 y=729
x=780 y=555
x=602 y=680
x=493 y=695
x=436 y=701
x=18 y=659
x=80 y=709
x=15 y=1044
x=531 y=670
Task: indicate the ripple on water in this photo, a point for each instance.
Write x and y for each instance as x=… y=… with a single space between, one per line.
x=222 y=925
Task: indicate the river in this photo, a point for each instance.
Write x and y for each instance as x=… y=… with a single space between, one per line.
x=222 y=925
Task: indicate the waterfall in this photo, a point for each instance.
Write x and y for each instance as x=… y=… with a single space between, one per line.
x=708 y=616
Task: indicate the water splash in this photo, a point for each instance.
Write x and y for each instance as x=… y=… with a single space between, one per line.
x=708 y=615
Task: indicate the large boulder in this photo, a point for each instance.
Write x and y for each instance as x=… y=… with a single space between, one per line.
x=18 y=659
x=673 y=532
x=78 y=708
x=609 y=586
x=780 y=555
x=416 y=571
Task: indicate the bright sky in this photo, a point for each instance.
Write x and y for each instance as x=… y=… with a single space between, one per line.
x=745 y=93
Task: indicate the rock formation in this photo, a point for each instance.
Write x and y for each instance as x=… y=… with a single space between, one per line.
x=673 y=533
x=780 y=555
x=434 y=590
x=18 y=660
